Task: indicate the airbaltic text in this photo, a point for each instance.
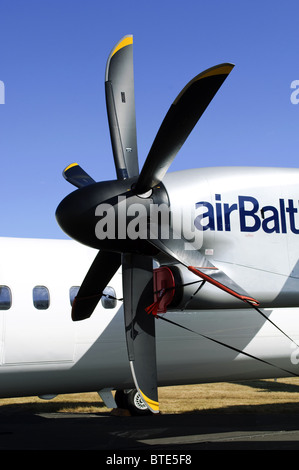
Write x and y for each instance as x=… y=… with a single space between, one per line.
x=251 y=215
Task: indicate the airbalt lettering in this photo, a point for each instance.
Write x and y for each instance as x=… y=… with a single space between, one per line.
x=251 y=216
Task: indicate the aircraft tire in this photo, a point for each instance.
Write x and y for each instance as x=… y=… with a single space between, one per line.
x=135 y=404
x=120 y=399
x=131 y=400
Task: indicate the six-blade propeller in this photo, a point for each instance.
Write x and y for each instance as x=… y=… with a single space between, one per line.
x=76 y=214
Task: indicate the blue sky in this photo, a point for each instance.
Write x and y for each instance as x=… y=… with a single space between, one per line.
x=52 y=61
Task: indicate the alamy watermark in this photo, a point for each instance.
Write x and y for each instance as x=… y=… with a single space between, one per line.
x=295 y=94
x=2 y=92
x=136 y=221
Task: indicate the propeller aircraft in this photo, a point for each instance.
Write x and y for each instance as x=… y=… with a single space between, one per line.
x=240 y=255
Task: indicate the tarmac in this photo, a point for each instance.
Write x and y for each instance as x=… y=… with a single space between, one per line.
x=164 y=434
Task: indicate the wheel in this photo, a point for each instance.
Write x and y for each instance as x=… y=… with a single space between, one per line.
x=135 y=403
x=120 y=399
x=132 y=401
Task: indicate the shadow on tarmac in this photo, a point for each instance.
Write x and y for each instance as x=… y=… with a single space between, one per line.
x=246 y=428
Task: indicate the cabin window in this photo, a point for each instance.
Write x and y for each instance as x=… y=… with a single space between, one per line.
x=5 y=298
x=73 y=292
x=108 y=298
x=41 y=297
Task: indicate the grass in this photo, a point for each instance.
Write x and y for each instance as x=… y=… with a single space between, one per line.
x=262 y=396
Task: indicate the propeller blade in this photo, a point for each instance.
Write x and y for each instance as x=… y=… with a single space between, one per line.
x=178 y=123
x=75 y=175
x=140 y=327
x=99 y=274
x=120 y=101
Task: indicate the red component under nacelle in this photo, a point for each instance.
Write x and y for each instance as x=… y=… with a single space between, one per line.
x=178 y=287
x=164 y=288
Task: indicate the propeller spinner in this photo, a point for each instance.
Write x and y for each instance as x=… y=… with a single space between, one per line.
x=76 y=213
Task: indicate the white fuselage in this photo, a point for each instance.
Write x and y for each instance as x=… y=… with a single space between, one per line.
x=44 y=352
